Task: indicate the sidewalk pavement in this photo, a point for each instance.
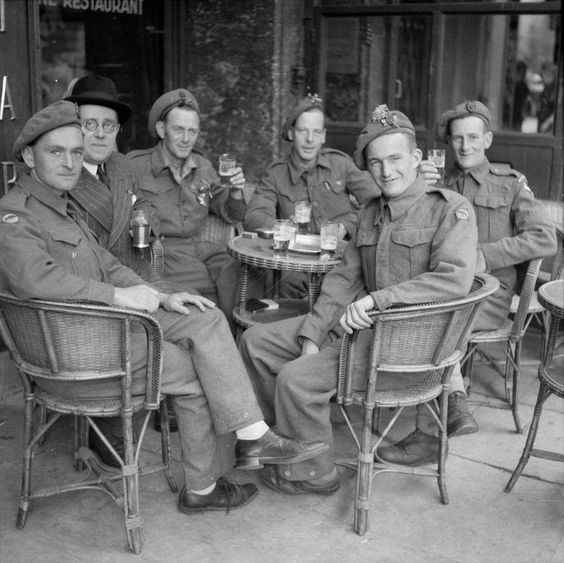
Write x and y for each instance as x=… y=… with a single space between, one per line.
x=407 y=521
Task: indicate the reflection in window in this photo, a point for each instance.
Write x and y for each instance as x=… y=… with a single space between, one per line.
x=511 y=67
x=374 y=60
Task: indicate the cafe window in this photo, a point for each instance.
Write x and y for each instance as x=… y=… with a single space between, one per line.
x=512 y=67
x=119 y=39
x=372 y=60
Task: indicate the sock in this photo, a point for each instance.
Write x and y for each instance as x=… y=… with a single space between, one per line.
x=253 y=431
x=205 y=491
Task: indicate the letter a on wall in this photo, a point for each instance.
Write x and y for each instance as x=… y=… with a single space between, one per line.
x=6 y=101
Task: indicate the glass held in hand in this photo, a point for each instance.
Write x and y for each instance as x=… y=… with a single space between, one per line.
x=140 y=228
x=329 y=239
x=282 y=236
x=438 y=157
x=302 y=215
x=227 y=165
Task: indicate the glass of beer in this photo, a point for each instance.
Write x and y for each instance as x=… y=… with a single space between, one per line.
x=302 y=215
x=281 y=237
x=227 y=164
x=437 y=157
x=329 y=238
x=140 y=228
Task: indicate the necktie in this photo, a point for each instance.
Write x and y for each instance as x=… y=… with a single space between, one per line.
x=102 y=176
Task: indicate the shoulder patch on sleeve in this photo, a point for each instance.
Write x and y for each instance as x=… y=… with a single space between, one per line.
x=462 y=214
x=10 y=218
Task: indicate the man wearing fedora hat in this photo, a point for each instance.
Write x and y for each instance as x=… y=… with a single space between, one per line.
x=48 y=252
x=293 y=363
x=183 y=187
x=513 y=227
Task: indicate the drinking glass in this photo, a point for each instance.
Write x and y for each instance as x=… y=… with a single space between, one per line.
x=281 y=237
x=437 y=157
x=329 y=237
x=302 y=215
x=227 y=164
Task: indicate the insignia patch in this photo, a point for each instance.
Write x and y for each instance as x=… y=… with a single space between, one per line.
x=462 y=214
x=10 y=218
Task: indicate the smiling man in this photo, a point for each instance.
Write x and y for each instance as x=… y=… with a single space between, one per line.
x=513 y=226
x=413 y=244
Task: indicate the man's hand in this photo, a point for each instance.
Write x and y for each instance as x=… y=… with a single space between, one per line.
x=429 y=172
x=140 y=297
x=309 y=347
x=356 y=315
x=179 y=302
x=237 y=181
x=342 y=231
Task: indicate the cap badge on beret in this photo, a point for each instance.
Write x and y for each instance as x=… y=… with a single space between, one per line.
x=384 y=116
x=314 y=99
x=470 y=106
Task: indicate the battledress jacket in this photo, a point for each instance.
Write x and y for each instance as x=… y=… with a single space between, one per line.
x=415 y=248
x=328 y=185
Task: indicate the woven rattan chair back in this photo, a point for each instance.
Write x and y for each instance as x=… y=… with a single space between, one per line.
x=424 y=340
x=76 y=359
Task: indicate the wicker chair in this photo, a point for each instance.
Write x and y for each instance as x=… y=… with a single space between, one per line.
x=76 y=359
x=551 y=269
x=510 y=335
x=423 y=340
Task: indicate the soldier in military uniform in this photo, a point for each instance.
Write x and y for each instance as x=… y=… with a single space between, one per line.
x=48 y=252
x=413 y=244
x=513 y=226
x=183 y=187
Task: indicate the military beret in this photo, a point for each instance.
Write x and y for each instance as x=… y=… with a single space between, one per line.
x=175 y=98
x=382 y=122
x=465 y=109
x=59 y=114
x=311 y=101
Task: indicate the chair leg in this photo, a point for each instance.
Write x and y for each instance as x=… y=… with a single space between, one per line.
x=467 y=368
x=514 y=393
x=165 y=446
x=443 y=438
x=544 y=393
x=26 y=465
x=364 y=475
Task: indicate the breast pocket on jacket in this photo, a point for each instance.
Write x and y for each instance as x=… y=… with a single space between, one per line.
x=65 y=243
x=410 y=251
x=493 y=215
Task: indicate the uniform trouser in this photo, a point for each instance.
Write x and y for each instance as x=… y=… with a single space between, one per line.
x=212 y=394
x=205 y=267
x=294 y=391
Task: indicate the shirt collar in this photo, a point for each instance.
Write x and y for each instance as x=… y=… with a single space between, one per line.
x=297 y=168
x=92 y=168
x=51 y=198
x=399 y=205
x=160 y=162
x=479 y=172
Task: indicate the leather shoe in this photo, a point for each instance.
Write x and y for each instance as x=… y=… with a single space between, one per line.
x=269 y=478
x=459 y=420
x=275 y=448
x=225 y=496
x=416 y=449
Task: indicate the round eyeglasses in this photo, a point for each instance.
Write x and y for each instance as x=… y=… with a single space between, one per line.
x=108 y=125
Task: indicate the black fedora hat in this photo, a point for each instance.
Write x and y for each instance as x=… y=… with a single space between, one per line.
x=99 y=91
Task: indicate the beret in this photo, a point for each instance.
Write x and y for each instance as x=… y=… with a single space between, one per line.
x=311 y=101
x=99 y=91
x=465 y=109
x=175 y=98
x=59 y=114
x=382 y=122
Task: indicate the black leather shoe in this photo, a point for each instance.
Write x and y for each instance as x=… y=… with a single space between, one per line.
x=416 y=449
x=460 y=421
x=225 y=496
x=100 y=449
x=275 y=448
x=269 y=478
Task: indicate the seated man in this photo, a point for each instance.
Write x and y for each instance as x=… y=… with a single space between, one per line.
x=413 y=244
x=513 y=226
x=183 y=188
x=48 y=252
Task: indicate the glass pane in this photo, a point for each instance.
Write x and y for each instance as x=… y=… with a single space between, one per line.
x=511 y=67
x=368 y=61
x=124 y=45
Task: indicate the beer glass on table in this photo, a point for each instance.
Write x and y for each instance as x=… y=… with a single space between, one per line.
x=302 y=215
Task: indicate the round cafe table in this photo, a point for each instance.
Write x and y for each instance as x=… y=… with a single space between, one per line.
x=258 y=253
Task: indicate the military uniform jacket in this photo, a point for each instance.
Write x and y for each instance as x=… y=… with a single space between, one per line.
x=513 y=226
x=46 y=254
x=107 y=211
x=328 y=185
x=182 y=209
x=416 y=248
